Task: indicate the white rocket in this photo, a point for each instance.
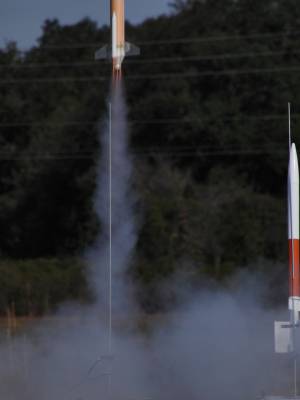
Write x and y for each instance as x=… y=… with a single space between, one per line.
x=293 y=230
x=119 y=48
x=286 y=333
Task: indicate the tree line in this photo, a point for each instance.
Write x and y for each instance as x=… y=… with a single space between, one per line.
x=207 y=110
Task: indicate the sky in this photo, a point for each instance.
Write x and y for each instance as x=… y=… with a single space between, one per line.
x=21 y=20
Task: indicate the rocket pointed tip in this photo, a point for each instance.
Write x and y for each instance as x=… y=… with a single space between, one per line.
x=293 y=163
x=293 y=151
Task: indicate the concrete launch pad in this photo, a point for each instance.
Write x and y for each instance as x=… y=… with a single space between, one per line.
x=280 y=398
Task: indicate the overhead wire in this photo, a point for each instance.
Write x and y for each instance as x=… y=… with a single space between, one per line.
x=221 y=38
x=156 y=121
x=164 y=76
x=149 y=154
x=44 y=124
x=225 y=56
x=178 y=59
x=179 y=152
x=185 y=40
x=186 y=153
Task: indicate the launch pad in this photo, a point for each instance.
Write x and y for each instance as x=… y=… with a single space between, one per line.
x=280 y=398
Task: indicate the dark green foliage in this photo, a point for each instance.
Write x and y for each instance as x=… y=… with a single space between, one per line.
x=35 y=287
x=208 y=132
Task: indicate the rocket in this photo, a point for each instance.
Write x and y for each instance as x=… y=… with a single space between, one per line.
x=293 y=235
x=119 y=48
x=287 y=334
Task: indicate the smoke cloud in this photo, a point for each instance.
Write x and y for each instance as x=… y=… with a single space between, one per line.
x=217 y=344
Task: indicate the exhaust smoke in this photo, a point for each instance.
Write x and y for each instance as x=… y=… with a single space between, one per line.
x=217 y=345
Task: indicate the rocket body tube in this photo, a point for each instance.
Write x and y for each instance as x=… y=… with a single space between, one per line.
x=293 y=223
x=293 y=235
x=286 y=335
x=118 y=33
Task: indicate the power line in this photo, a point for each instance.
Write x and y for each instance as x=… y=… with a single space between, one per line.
x=225 y=56
x=192 y=154
x=230 y=146
x=151 y=151
x=148 y=153
x=57 y=80
x=220 y=38
x=185 y=40
x=45 y=124
x=191 y=75
x=157 y=121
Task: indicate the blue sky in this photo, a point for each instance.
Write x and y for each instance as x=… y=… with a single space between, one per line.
x=21 y=20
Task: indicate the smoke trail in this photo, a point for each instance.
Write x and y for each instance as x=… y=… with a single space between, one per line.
x=60 y=364
x=122 y=202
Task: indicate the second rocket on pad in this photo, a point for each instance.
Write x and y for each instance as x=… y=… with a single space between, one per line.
x=286 y=335
x=119 y=48
x=293 y=234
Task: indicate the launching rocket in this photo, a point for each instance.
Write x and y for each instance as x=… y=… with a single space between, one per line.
x=119 y=48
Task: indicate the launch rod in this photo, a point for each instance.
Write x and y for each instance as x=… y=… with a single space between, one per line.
x=110 y=234
x=295 y=377
x=290 y=129
x=110 y=254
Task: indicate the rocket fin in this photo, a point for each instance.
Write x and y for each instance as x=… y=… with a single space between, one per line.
x=132 y=50
x=104 y=53
x=294 y=305
x=283 y=337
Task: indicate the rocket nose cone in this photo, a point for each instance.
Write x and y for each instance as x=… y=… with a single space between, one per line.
x=294 y=169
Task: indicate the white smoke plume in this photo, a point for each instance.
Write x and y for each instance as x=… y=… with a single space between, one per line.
x=124 y=231
x=218 y=345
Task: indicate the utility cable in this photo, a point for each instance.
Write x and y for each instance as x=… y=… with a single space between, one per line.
x=191 y=75
x=185 y=40
x=148 y=153
x=172 y=60
x=157 y=121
